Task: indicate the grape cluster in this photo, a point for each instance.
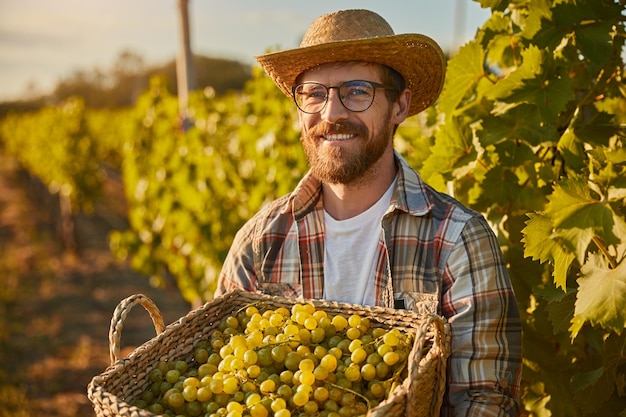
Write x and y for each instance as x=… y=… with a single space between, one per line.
x=263 y=361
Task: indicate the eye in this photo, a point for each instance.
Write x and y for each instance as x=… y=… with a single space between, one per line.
x=357 y=90
x=312 y=92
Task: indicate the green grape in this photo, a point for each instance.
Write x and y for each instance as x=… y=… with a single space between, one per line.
x=306 y=365
x=267 y=386
x=300 y=398
x=391 y=358
x=201 y=355
x=284 y=391
x=359 y=355
x=278 y=404
x=261 y=362
x=204 y=394
x=258 y=410
x=292 y=361
x=353 y=373
x=279 y=353
x=320 y=394
x=230 y=385
x=310 y=408
x=190 y=393
x=282 y=413
x=156 y=375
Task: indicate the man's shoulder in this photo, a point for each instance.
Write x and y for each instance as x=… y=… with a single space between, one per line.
x=450 y=204
x=422 y=198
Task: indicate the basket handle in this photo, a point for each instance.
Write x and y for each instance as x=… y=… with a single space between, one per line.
x=119 y=316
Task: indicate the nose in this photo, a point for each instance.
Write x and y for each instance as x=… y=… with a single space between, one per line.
x=334 y=110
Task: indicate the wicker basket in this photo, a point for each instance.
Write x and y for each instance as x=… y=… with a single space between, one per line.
x=419 y=395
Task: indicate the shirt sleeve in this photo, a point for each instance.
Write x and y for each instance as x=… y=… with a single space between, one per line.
x=484 y=369
x=238 y=270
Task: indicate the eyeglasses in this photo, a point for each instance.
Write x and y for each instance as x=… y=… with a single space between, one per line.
x=356 y=96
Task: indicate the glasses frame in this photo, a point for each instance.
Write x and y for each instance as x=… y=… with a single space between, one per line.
x=338 y=87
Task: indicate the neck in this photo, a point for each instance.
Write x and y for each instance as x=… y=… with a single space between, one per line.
x=343 y=201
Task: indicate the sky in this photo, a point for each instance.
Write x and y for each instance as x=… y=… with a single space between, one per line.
x=44 y=41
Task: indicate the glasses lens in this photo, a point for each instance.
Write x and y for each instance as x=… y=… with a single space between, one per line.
x=357 y=95
x=310 y=97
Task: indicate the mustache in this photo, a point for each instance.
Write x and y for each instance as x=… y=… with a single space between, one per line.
x=325 y=128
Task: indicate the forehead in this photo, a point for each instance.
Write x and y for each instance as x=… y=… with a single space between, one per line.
x=342 y=71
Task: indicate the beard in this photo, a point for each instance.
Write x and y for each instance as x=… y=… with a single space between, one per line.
x=344 y=164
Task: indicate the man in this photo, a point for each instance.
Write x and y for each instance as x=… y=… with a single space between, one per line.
x=362 y=227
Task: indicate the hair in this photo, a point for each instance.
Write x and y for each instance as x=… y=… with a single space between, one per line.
x=395 y=80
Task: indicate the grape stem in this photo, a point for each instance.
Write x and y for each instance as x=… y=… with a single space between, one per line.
x=352 y=392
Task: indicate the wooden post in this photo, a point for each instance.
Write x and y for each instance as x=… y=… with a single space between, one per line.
x=185 y=74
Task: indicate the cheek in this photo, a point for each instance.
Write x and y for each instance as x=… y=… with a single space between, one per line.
x=307 y=121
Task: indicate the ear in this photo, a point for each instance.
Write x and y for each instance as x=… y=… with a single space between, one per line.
x=401 y=107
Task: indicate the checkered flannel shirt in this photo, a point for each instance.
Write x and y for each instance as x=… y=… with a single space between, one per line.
x=439 y=255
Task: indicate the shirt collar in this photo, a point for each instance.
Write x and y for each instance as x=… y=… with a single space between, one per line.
x=410 y=194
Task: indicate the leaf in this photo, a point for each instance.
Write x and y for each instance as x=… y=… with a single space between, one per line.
x=571 y=149
x=494 y=4
x=528 y=70
x=599 y=129
x=464 y=71
x=583 y=380
x=572 y=206
x=549 y=91
x=601 y=296
x=537 y=10
x=563 y=258
x=542 y=243
x=593 y=389
x=519 y=123
x=537 y=233
x=560 y=312
x=450 y=151
x=535 y=82
x=578 y=241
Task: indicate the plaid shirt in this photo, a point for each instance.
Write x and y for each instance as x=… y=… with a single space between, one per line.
x=434 y=254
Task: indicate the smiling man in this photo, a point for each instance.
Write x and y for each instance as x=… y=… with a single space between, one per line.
x=362 y=227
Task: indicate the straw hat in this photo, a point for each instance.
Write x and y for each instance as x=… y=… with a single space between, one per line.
x=362 y=35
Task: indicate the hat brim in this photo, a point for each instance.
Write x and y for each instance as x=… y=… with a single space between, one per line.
x=417 y=57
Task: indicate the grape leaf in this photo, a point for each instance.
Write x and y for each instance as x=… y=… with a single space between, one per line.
x=593 y=388
x=561 y=312
x=586 y=379
x=519 y=123
x=464 y=71
x=541 y=243
x=494 y=4
x=601 y=296
x=549 y=91
x=599 y=129
x=528 y=70
x=571 y=205
x=450 y=150
x=571 y=150
x=537 y=233
x=535 y=82
x=537 y=11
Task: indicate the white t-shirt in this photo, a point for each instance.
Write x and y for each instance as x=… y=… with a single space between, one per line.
x=350 y=249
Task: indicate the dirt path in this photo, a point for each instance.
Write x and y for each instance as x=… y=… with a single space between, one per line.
x=55 y=308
